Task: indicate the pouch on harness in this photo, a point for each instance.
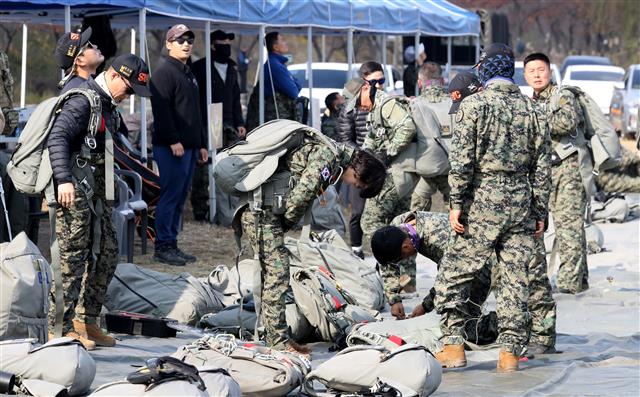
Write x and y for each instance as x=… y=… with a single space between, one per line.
x=597 y=130
x=428 y=155
x=245 y=168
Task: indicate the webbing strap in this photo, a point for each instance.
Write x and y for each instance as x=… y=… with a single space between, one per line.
x=108 y=167
x=57 y=274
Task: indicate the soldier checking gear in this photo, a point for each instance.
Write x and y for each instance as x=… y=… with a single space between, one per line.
x=563 y=117
x=499 y=191
x=87 y=239
x=430 y=82
x=313 y=166
x=78 y=58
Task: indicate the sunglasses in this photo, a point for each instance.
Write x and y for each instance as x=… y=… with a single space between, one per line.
x=181 y=40
x=375 y=82
x=87 y=46
x=129 y=90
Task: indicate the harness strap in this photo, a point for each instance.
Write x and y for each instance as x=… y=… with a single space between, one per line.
x=57 y=274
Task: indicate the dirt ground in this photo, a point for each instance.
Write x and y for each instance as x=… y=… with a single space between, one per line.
x=211 y=244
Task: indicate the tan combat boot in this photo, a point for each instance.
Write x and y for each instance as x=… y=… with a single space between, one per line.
x=507 y=362
x=92 y=332
x=88 y=344
x=452 y=356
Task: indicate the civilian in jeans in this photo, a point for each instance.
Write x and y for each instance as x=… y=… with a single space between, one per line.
x=179 y=140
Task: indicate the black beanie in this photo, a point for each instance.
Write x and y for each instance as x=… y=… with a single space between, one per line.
x=386 y=244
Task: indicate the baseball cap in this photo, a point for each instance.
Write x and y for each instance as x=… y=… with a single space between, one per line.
x=135 y=71
x=222 y=35
x=69 y=46
x=463 y=85
x=495 y=49
x=178 y=30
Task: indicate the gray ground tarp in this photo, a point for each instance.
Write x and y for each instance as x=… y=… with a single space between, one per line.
x=599 y=334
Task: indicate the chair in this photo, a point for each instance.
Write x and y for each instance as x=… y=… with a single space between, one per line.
x=124 y=220
x=137 y=204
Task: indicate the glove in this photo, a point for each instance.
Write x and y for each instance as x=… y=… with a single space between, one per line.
x=286 y=224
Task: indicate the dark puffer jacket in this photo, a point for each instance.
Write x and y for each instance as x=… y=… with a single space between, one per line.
x=70 y=128
x=352 y=124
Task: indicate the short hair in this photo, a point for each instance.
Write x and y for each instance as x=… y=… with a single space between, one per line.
x=370 y=67
x=370 y=171
x=430 y=71
x=386 y=244
x=328 y=101
x=537 y=56
x=270 y=40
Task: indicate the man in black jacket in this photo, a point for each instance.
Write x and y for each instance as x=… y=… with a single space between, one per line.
x=352 y=129
x=83 y=220
x=225 y=90
x=179 y=140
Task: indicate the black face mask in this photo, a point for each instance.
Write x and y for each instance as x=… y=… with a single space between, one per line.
x=372 y=93
x=221 y=52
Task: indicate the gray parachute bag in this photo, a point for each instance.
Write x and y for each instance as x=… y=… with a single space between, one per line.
x=431 y=125
x=392 y=334
x=260 y=371
x=25 y=282
x=30 y=167
x=181 y=297
x=409 y=369
x=615 y=209
x=62 y=361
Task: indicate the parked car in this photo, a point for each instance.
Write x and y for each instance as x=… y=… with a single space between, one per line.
x=598 y=81
x=518 y=78
x=625 y=101
x=330 y=77
x=583 y=60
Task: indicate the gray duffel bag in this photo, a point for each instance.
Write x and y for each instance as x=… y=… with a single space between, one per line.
x=62 y=361
x=394 y=333
x=410 y=370
x=260 y=371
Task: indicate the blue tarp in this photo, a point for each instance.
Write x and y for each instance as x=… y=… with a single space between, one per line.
x=427 y=17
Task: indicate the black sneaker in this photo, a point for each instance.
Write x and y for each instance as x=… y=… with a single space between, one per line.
x=359 y=253
x=184 y=255
x=170 y=257
x=535 y=349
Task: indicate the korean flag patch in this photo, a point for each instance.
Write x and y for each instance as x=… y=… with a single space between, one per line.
x=325 y=173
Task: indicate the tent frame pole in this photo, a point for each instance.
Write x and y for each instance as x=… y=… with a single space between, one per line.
x=23 y=67
x=350 y=53
x=384 y=56
x=477 y=48
x=261 y=50
x=417 y=56
x=449 y=56
x=132 y=98
x=310 y=71
x=211 y=147
x=142 y=22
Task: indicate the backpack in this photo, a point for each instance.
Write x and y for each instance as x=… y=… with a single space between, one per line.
x=25 y=283
x=409 y=370
x=392 y=334
x=181 y=297
x=30 y=167
x=328 y=308
x=615 y=209
x=431 y=155
x=329 y=252
x=250 y=166
x=598 y=130
x=260 y=371
x=63 y=362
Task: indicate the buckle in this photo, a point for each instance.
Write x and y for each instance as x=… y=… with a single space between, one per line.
x=80 y=161
x=90 y=142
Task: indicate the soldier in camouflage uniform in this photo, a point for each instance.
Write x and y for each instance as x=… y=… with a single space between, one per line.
x=313 y=167
x=625 y=178
x=500 y=184
x=334 y=103
x=568 y=200
x=84 y=230
x=430 y=82
x=10 y=115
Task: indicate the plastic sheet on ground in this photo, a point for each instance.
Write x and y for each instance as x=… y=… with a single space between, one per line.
x=598 y=333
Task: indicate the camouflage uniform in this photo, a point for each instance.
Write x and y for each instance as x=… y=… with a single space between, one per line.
x=85 y=275
x=625 y=178
x=200 y=187
x=427 y=187
x=388 y=141
x=286 y=108
x=311 y=167
x=329 y=125
x=568 y=201
x=500 y=180
x=6 y=97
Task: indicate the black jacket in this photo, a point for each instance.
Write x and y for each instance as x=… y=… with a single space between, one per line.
x=352 y=124
x=70 y=128
x=227 y=92
x=175 y=106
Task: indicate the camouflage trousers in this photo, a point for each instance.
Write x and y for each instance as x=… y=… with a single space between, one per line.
x=625 y=178
x=278 y=106
x=568 y=203
x=426 y=188
x=267 y=240
x=541 y=306
x=85 y=274
x=497 y=221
